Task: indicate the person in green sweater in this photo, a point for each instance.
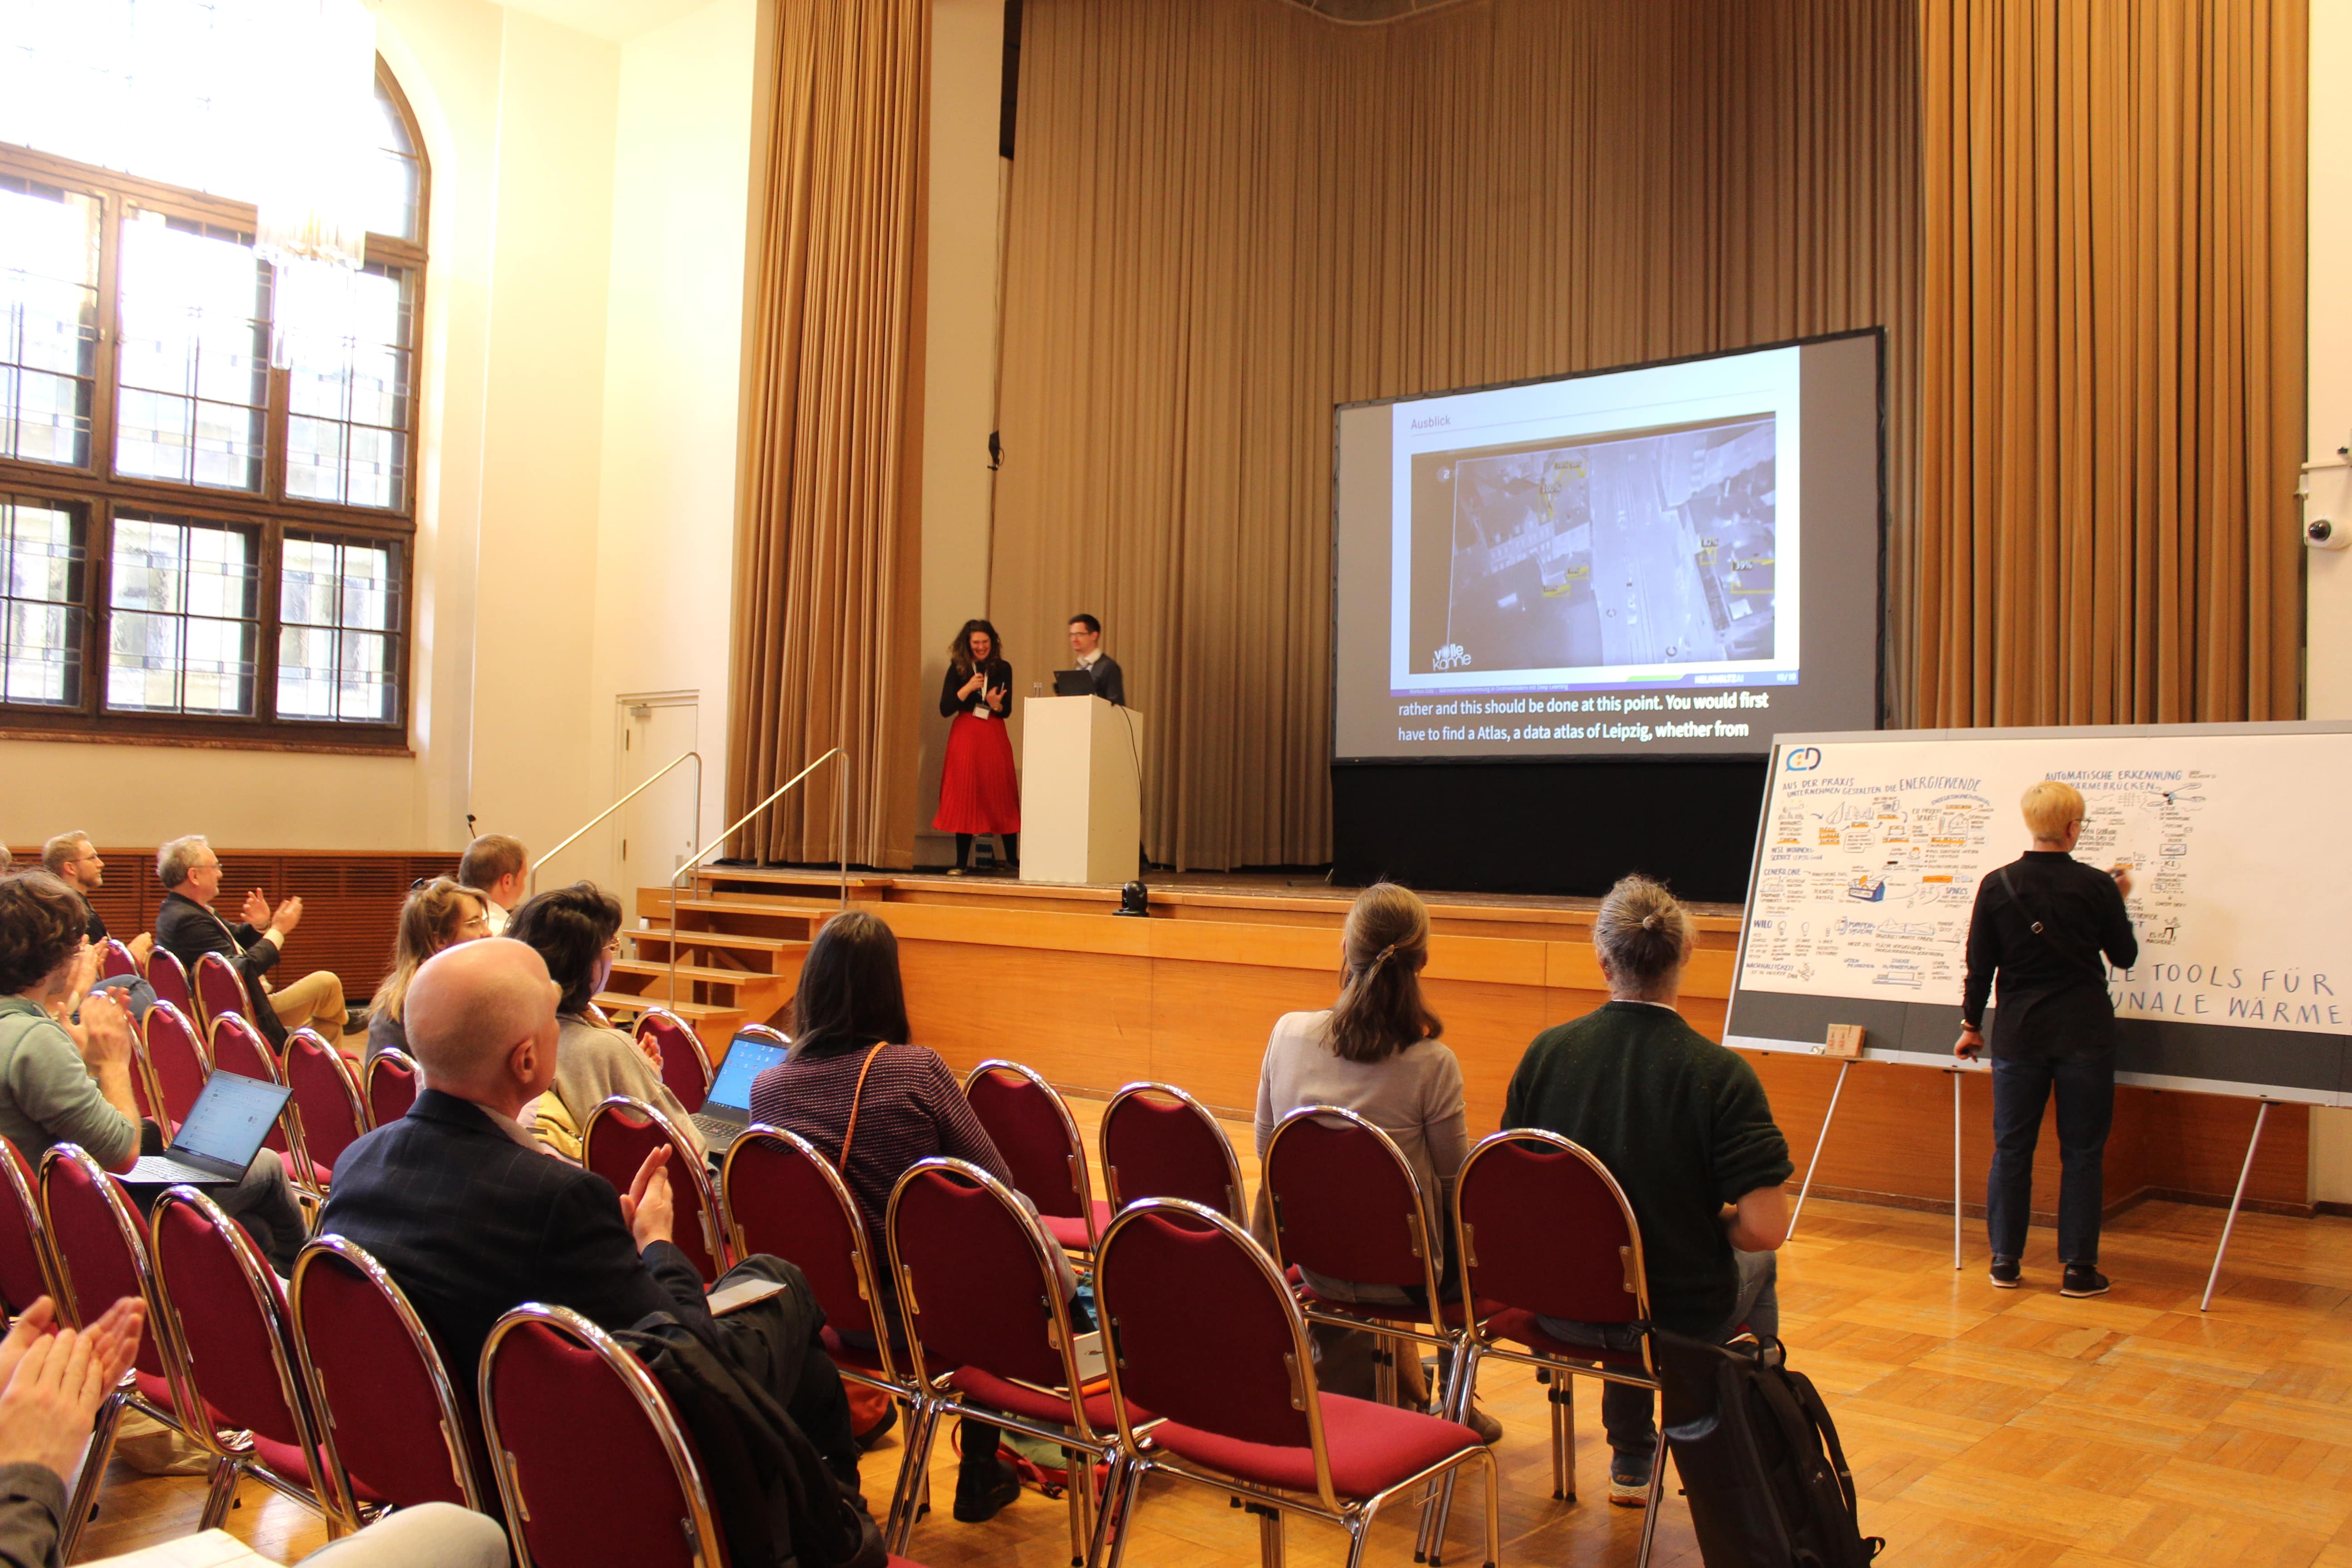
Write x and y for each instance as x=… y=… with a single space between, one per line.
x=1684 y=1126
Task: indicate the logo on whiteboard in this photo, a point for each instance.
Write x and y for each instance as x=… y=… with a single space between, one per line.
x=1804 y=758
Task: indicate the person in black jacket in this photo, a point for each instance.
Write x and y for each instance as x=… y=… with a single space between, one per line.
x=2039 y=927
x=187 y=927
x=1085 y=648
x=979 y=792
x=472 y=1217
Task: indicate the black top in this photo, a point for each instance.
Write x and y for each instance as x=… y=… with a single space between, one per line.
x=1110 y=684
x=1682 y=1123
x=2053 y=998
x=1000 y=674
x=471 y=1224
x=97 y=926
x=187 y=931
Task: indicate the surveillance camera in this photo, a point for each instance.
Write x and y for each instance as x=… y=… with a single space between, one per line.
x=2322 y=534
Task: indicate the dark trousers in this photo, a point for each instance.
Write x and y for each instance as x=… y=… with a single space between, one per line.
x=775 y=1343
x=2085 y=1087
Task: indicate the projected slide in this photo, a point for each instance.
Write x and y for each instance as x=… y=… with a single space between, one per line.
x=1593 y=558
x=1680 y=557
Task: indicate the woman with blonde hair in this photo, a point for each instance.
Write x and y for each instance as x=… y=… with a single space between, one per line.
x=436 y=914
x=1376 y=1051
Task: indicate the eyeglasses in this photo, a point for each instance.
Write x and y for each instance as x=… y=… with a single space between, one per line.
x=613 y=947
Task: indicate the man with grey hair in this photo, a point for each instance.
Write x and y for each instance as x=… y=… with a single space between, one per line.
x=187 y=928
x=73 y=859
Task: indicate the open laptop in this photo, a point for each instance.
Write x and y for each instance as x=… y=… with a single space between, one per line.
x=1074 y=683
x=728 y=1109
x=218 y=1140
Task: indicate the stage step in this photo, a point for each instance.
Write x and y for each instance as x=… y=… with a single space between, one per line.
x=736 y=915
x=710 y=1022
x=760 y=954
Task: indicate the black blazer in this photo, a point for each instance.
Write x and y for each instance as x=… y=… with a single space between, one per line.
x=470 y=1223
x=187 y=931
x=999 y=674
x=2053 y=998
x=1110 y=684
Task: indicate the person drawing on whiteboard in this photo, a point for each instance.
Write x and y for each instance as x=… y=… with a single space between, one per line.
x=2040 y=926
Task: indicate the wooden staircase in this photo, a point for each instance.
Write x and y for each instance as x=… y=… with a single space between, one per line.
x=739 y=943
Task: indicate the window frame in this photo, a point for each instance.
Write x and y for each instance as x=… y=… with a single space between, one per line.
x=100 y=493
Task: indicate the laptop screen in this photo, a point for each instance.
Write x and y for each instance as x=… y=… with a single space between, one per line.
x=231 y=1118
x=746 y=1060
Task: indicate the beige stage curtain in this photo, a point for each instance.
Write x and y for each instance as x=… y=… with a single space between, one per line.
x=2112 y=350
x=1228 y=215
x=828 y=510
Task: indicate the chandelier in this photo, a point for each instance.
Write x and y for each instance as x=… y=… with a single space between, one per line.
x=318 y=82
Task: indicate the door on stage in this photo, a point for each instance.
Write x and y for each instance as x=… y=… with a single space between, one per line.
x=654 y=835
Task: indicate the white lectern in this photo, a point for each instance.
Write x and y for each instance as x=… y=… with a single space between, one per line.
x=1081 y=790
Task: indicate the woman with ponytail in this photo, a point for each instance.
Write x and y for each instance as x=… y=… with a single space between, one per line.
x=1375 y=1051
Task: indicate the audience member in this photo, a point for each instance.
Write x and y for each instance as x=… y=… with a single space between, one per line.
x=422 y=1535
x=498 y=869
x=471 y=1217
x=63 y=1082
x=1375 y=1051
x=1684 y=1125
x=576 y=931
x=437 y=915
x=73 y=859
x=52 y=1381
x=876 y=1105
x=188 y=927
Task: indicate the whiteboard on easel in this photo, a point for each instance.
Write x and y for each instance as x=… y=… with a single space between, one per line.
x=1872 y=845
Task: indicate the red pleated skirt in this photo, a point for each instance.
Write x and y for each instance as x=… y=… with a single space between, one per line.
x=979 y=791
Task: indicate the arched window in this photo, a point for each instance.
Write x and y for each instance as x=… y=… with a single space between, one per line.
x=193 y=543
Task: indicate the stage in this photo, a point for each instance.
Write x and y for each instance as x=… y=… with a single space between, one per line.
x=1050 y=976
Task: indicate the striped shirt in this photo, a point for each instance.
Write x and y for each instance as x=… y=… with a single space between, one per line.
x=911 y=1109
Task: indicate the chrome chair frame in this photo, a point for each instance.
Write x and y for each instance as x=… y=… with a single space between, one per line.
x=717 y=1237
x=1079 y=1178
x=701 y=1056
x=157 y=1105
x=367 y=1079
x=1236 y=1206
x=297 y=1138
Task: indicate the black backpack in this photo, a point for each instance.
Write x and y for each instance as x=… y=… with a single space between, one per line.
x=1759 y=1457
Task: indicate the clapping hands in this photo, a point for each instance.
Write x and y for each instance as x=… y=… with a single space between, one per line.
x=53 y=1380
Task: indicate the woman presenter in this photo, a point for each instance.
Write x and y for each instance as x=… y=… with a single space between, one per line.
x=979 y=791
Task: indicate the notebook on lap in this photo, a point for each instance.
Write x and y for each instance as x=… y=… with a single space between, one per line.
x=217 y=1144
x=727 y=1110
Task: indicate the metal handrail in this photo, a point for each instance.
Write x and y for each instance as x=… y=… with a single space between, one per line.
x=841 y=832
x=683 y=757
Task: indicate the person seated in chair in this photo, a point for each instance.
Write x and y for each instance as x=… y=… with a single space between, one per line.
x=576 y=932
x=497 y=869
x=1684 y=1125
x=73 y=859
x=437 y=915
x=69 y=1082
x=187 y=928
x=471 y=1217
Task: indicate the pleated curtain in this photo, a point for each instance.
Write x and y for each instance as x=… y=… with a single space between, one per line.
x=2112 y=352
x=1229 y=215
x=828 y=524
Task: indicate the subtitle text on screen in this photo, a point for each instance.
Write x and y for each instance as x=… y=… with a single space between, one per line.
x=1624 y=719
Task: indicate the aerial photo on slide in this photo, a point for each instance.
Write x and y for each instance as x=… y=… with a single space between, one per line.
x=1634 y=548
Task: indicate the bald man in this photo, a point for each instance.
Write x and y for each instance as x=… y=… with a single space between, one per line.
x=472 y=1217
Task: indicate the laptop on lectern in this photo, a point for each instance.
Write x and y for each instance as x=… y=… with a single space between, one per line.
x=222 y=1134
x=1073 y=683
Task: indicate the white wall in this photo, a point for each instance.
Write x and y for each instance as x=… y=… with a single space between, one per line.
x=2327 y=667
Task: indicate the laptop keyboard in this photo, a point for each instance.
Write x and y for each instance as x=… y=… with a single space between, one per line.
x=717 y=1131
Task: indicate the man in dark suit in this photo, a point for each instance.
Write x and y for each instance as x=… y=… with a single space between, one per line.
x=1085 y=646
x=187 y=927
x=473 y=1217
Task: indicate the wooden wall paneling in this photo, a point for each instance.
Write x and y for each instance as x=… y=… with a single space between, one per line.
x=2203 y=1137
x=1082 y=1019
x=1210 y=1024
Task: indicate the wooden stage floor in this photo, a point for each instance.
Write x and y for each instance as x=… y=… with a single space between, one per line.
x=1985 y=1426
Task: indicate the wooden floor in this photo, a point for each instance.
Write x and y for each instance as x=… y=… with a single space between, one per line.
x=2010 y=1428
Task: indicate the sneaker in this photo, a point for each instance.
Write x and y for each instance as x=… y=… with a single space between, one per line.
x=1489 y=1430
x=2084 y=1279
x=1629 y=1480
x=2004 y=1273
x=982 y=1494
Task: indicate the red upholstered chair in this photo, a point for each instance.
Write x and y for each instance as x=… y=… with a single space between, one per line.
x=389 y=1419
x=326 y=1106
x=220 y=990
x=619 y=1135
x=1345 y=1204
x=593 y=1462
x=176 y=1066
x=685 y=1066
x=114 y=959
x=1033 y=1130
x=1542 y=1229
x=781 y=1196
x=26 y=1272
x=228 y=1313
x=170 y=981
x=238 y=1046
x=1158 y=1141
x=388 y=1086
x=983 y=1296
x=1183 y=1288
x=98 y=1244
